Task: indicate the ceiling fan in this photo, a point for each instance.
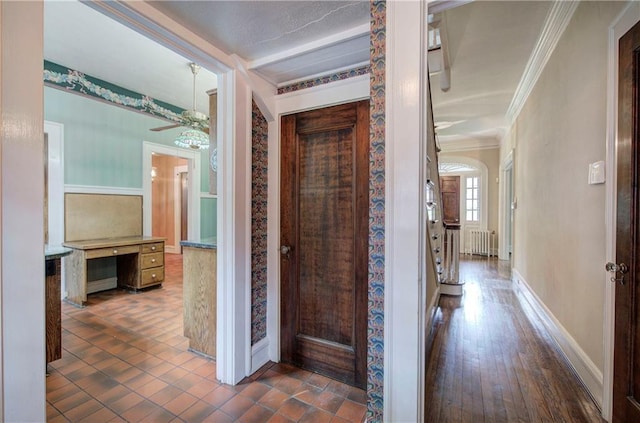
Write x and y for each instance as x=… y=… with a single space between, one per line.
x=190 y=118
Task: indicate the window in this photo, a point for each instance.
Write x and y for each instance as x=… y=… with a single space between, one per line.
x=472 y=206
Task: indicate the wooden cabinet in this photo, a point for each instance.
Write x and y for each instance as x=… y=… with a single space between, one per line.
x=139 y=262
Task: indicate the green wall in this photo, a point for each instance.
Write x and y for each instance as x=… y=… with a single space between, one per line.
x=103 y=145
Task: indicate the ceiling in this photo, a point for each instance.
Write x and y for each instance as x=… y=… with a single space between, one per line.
x=489 y=45
x=283 y=41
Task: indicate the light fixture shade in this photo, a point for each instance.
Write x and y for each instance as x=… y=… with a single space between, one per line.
x=192 y=138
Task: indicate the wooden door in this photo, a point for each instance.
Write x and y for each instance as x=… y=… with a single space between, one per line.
x=450 y=191
x=626 y=373
x=324 y=239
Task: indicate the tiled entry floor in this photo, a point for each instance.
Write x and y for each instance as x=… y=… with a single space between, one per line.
x=125 y=359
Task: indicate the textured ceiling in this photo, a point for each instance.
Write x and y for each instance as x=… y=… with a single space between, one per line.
x=490 y=43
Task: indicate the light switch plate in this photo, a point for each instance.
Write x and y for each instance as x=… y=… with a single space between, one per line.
x=596 y=173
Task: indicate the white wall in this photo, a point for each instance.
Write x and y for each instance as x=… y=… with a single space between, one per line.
x=21 y=205
x=559 y=247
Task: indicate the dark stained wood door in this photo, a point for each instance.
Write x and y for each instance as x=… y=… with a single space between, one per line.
x=626 y=373
x=450 y=191
x=324 y=239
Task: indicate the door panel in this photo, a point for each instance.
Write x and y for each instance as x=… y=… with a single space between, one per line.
x=450 y=191
x=324 y=221
x=626 y=385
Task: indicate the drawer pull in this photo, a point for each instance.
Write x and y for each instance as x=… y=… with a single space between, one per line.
x=153 y=248
x=115 y=251
x=153 y=276
x=153 y=260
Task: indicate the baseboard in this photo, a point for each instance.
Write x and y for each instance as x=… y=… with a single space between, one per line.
x=172 y=249
x=586 y=370
x=259 y=354
x=101 y=285
x=91 y=189
x=431 y=312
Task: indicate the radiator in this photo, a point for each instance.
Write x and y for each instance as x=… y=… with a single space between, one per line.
x=480 y=242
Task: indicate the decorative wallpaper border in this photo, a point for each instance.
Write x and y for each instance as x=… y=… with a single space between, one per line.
x=375 y=336
x=59 y=76
x=350 y=73
x=259 y=185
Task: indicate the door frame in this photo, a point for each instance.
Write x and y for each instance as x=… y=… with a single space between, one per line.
x=339 y=92
x=194 y=159
x=621 y=25
x=177 y=205
x=504 y=208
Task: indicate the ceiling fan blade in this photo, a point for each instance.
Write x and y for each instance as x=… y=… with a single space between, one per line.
x=162 y=128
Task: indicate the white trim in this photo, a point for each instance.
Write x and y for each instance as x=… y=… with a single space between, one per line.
x=55 y=179
x=627 y=18
x=345 y=91
x=193 y=157
x=504 y=207
x=324 y=73
x=207 y=195
x=405 y=135
x=586 y=369
x=177 y=209
x=94 y=189
x=259 y=354
x=555 y=23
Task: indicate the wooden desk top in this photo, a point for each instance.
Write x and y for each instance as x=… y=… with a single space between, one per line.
x=112 y=242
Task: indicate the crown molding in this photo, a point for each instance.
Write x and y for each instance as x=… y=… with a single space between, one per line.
x=556 y=22
x=454 y=145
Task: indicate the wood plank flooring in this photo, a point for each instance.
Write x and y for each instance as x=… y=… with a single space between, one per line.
x=492 y=360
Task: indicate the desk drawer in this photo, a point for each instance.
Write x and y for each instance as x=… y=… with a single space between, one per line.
x=153 y=248
x=152 y=276
x=112 y=251
x=152 y=260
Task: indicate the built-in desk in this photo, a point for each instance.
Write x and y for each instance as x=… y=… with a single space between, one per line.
x=139 y=260
x=199 y=263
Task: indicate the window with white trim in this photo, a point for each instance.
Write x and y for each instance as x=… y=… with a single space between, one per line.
x=472 y=203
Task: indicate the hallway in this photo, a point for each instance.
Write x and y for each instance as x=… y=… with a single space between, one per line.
x=492 y=360
x=125 y=359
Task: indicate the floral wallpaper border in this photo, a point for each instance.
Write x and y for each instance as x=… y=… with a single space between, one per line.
x=59 y=76
x=375 y=350
x=362 y=70
x=259 y=186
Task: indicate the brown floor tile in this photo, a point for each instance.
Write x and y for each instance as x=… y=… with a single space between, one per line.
x=159 y=415
x=352 y=411
x=219 y=396
x=126 y=402
x=180 y=403
x=86 y=408
x=315 y=415
x=328 y=401
x=288 y=385
x=113 y=394
x=151 y=388
x=58 y=419
x=256 y=414
x=102 y=415
x=139 y=411
x=219 y=416
x=237 y=406
x=165 y=395
x=319 y=381
x=71 y=402
x=337 y=419
x=198 y=412
x=255 y=391
x=173 y=375
x=279 y=418
x=161 y=368
x=136 y=382
x=273 y=399
x=358 y=395
x=62 y=393
x=51 y=411
x=338 y=388
x=187 y=381
x=202 y=388
x=293 y=409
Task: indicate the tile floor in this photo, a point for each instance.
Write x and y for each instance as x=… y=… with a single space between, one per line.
x=125 y=359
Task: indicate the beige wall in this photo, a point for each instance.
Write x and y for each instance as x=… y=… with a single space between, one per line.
x=491 y=158
x=559 y=246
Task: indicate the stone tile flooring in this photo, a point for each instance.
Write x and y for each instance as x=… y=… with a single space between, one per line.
x=125 y=359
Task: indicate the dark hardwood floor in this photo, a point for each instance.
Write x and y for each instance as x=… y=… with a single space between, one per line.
x=492 y=360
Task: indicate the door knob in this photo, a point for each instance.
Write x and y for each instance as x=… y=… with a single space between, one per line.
x=285 y=250
x=617 y=268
